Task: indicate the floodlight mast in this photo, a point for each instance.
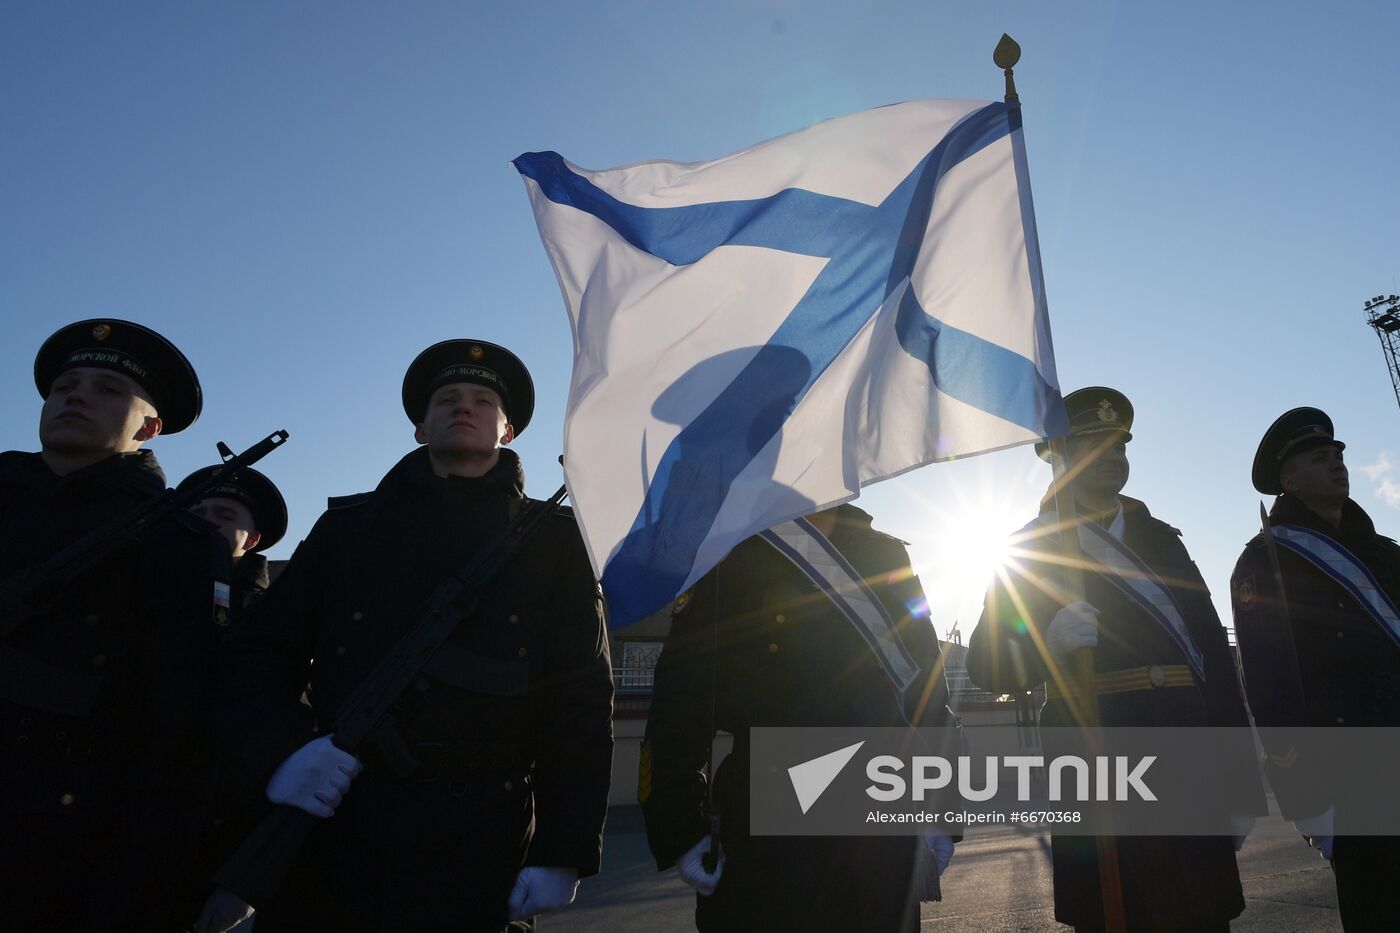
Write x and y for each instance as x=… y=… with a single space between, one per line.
x=1383 y=314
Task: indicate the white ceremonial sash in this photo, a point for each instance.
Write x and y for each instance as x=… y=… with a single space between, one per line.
x=812 y=553
x=1342 y=566
x=1125 y=570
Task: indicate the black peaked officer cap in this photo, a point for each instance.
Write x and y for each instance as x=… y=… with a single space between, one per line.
x=1095 y=410
x=1294 y=431
x=255 y=491
x=474 y=361
x=153 y=362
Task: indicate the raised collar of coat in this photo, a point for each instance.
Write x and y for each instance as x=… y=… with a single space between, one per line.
x=1356 y=524
x=251 y=572
x=1131 y=513
x=415 y=473
x=138 y=472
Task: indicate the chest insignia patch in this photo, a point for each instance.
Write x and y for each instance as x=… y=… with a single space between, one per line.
x=221 y=601
x=1244 y=593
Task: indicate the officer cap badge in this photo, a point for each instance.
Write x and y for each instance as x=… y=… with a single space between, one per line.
x=1095 y=410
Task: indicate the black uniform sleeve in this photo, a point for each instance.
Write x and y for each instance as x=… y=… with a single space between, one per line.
x=1272 y=684
x=671 y=786
x=573 y=756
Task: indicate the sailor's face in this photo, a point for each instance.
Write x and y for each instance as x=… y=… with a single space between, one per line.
x=464 y=418
x=233 y=519
x=95 y=410
x=1099 y=462
x=1316 y=475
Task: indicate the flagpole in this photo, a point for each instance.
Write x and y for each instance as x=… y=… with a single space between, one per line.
x=710 y=860
x=1083 y=700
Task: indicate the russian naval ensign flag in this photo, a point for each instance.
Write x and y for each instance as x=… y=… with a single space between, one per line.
x=759 y=336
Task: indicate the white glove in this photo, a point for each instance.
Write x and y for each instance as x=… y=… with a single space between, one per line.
x=1318 y=829
x=693 y=872
x=941 y=848
x=1075 y=626
x=539 y=890
x=1241 y=825
x=314 y=777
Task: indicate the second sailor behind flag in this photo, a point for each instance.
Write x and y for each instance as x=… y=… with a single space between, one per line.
x=1161 y=659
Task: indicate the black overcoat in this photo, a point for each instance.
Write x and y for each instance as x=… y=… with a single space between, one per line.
x=786 y=657
x=104 y=768
x=514 y=732
x=1333 y=666
x=1169 y=883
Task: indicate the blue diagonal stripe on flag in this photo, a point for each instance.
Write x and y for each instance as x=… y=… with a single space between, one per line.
x=871 y=252
x=979 y=372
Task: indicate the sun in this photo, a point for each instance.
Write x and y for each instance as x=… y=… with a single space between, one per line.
x=960 y=541
x=982 y=546
x=967 y=544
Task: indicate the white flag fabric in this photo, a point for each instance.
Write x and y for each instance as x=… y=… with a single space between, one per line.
x=759 y=336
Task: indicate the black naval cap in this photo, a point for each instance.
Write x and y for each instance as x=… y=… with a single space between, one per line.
x=1294 y=431
x=1095 y=410
x=255 y=491
x=474 y=361
x=151 y=361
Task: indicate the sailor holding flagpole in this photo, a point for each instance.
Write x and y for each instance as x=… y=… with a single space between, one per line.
x=1160 y=659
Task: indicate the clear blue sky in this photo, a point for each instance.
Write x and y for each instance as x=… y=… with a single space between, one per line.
x=303 y=195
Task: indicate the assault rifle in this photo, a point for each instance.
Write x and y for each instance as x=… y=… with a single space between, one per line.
x=261 y=865
x=28 y=593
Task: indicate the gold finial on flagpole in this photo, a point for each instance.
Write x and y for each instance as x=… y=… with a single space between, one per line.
x=1005 y=56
